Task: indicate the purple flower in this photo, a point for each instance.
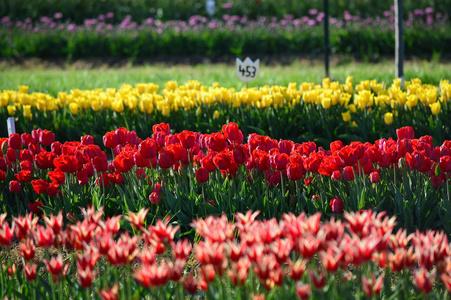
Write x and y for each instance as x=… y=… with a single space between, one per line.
x=311 y=23
x=428 y=10
x=5 y=19
x=71 y=27
x=57 y=16
x=110 y=15
x=227 y=5
x=150 y=21
x=90 y=22
x=312 y=11
x=347 y=16
x=46 y=20
x=418 y=12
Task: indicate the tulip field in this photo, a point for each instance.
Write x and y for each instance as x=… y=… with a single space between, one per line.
x=311 y=191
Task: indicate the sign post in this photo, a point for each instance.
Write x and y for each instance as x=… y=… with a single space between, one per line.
x=247 y=70
x=399 y=40
x=11 y=126
x=326 y=36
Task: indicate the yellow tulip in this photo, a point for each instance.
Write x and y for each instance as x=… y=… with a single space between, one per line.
x=118 y=106
x=436 y=108
x=11 y=110
x=23 y=89
x=216 y=115
x=388 y=118
x=27 y=112
x=346 y=116
x=73 y=107
x=326 y=103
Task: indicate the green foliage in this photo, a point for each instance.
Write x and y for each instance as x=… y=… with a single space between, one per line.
x=369 y=44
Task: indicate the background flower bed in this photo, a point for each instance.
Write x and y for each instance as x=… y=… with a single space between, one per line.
x=426 y=35
x=79 y=10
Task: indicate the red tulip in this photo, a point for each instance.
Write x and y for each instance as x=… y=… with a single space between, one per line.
x=279 y=161
x=23 y=176
x=336 y=146
x=30 y=272
x=57 y=176
x=87 y=140
x=66 y=163
x=131 y=138
x=11 y=154
x=166 y=158
x=3 y=165
x=337 y=205
x=53 y=189
x=285 y=146
x=110 y=294
x=14 y=141
x=202 y=175
x=303 y=290
x=39 y=186
x=45 y=160
x=162 y=127
x=336 y=175
x=261 y=159
x=44 y=236
x=148 y=148
x=57 y=148
x=187 y=139
x=35 y=207
x=415 y=160
x=348 y=173
x=85 y=276
x=405 y=133
x=222 y=160
x=445 y=163
x=6 y=235
x=46 y=138
x=207 y=163
x=155 y=198
x=26 y=165
x=2 y=175
x=26 y=139
x=374 y=177
x=318 y=280
x=123 y=162
x=295 y=171
x=233 y=133
x=110 y=139
x=55 y=266
x=217 y=142
x=424 y=280
x=14 y=186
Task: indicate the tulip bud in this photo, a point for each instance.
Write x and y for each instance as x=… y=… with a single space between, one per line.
x=4 y=147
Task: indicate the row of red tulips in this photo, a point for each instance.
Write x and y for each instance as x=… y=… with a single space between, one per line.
x=247 y=256
x=37 y=172
x=222 y=151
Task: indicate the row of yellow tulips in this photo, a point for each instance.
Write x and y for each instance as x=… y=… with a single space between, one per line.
x=146 y=97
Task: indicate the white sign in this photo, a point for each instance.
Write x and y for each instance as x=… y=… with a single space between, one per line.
x=11 y=126
x=247 y=70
